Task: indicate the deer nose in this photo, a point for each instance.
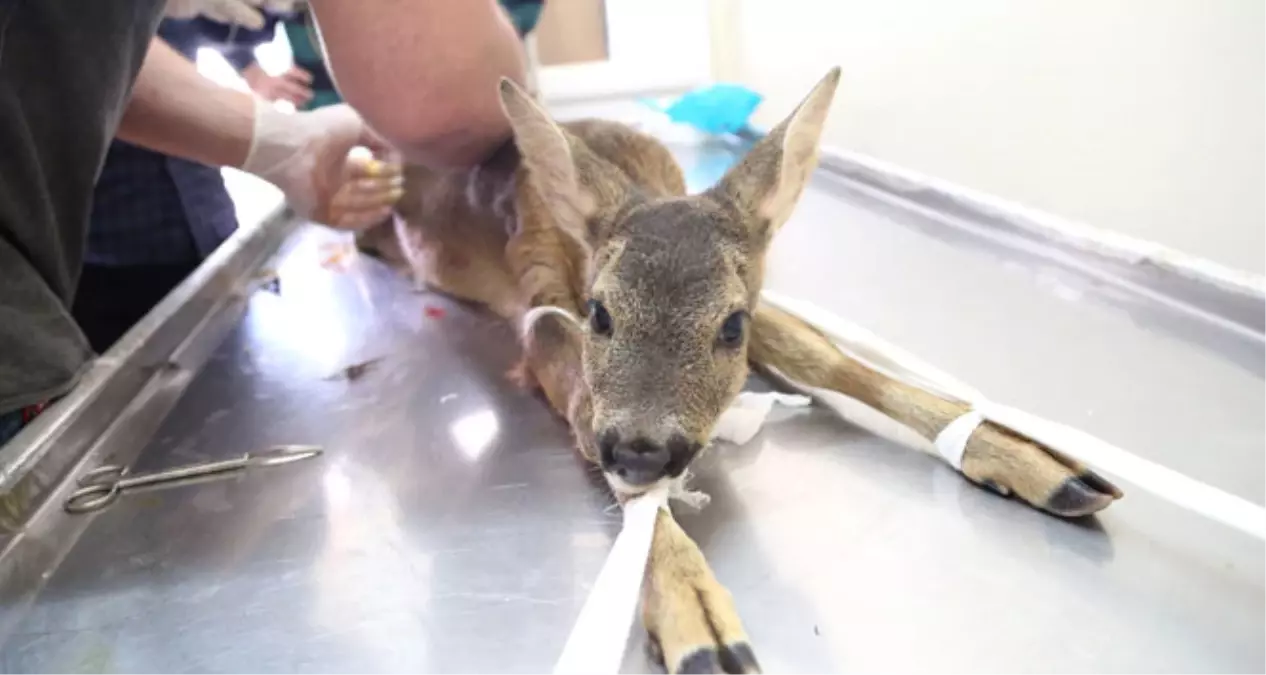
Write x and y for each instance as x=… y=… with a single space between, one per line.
x=637 y=461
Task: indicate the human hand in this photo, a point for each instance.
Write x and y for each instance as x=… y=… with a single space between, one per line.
x=244 y=12
x=294 y=85
x=309 y=155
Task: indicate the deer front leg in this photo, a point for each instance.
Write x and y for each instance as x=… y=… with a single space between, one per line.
x=551 y=364
x=995 y=458
x=689 y=615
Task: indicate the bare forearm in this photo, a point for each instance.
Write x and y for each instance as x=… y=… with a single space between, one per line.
x=424 y=73
x=177 y=111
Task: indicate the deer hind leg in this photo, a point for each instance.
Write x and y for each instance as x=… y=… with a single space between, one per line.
x=995 y=458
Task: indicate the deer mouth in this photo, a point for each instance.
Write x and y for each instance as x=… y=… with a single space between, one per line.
x=622 y=488
x=675 y=488
x=627 y=484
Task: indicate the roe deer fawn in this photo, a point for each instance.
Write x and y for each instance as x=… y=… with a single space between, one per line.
x=592 y=217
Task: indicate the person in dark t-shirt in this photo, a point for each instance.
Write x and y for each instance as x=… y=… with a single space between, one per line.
x=73 y=74
x=156 y=217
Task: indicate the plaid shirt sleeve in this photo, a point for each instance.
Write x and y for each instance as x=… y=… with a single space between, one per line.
x=151 y=209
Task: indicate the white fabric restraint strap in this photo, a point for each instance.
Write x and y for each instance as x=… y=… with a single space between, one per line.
x=952 y=441
x=601 y=632
x=528 y=321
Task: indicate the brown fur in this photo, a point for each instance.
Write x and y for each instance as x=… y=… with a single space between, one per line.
x=594 y=210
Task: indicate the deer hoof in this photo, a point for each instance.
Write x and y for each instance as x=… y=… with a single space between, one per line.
x=1048 y=480
x=730 y=659
x=1075 y=497
x=697 y=631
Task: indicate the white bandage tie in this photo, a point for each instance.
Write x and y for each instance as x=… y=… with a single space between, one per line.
x=527 y=322
x=952 y=441
x=600 y=634
x=747 y=413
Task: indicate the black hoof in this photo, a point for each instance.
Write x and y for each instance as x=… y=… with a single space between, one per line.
x=1094 y=482
x=736 y=658
x=1075 y=498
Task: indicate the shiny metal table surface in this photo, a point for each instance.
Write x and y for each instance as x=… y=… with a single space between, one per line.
x=449 y=528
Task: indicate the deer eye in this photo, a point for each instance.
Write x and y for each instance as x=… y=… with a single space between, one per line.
x=599 y=319
x=731 y=334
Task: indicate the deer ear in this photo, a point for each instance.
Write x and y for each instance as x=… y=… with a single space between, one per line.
x=547 y=152
x=766 y=184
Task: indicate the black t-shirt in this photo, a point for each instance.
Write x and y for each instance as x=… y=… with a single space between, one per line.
x=66 y=68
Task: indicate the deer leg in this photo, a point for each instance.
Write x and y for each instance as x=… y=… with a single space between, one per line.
x=551 y=363
x=689 y=615
x=995 y=458
x=538 y=257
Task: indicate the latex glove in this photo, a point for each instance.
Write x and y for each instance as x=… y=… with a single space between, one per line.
x=309 y=155
x=245 y=12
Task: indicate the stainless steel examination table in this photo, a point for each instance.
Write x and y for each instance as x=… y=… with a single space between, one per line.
x=449 y=528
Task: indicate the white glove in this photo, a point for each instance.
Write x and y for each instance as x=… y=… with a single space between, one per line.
x=244 y=12
x=309 y=155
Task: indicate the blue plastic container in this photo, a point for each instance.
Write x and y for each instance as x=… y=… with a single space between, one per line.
x=716 y=109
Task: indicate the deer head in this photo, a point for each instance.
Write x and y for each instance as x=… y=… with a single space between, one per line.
x=672 y=282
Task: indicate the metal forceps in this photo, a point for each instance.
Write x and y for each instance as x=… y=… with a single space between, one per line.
x=103 y=485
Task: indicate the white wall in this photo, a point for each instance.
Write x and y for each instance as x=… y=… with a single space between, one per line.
x=1141 y=116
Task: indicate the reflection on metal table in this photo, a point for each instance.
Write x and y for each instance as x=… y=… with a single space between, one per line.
x=448 y=527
